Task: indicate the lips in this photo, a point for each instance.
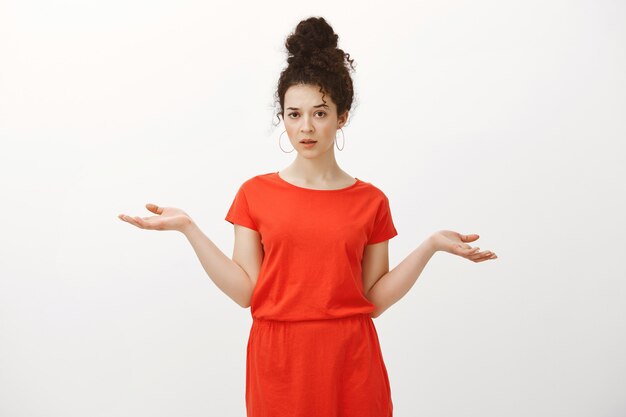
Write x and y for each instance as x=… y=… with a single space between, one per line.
x=308 y=141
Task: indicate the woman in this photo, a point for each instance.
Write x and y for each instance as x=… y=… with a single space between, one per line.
x=311 y=253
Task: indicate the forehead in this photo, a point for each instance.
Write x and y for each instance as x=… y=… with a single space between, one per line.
x=306 y=95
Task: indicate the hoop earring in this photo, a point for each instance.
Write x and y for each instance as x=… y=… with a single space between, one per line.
x=281 y=148
x=343 y=140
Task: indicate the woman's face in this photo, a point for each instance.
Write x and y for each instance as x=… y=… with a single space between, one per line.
x=307 y=117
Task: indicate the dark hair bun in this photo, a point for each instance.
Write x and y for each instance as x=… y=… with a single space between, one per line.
x=314 y=59
x=310 y=36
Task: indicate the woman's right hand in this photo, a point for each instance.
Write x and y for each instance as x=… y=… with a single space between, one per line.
x=168 y=218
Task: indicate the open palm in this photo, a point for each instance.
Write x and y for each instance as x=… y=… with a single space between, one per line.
x=456 y=243
x=167 y=218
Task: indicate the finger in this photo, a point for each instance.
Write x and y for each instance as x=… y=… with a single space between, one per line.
x=487 y=258
x=128 y=219
x=133 y=220
x=141 y=222
x=154 y=208
x=468 y=251
x=479 y=255
x=469 y=238
x=122 y=217
x=490 y=255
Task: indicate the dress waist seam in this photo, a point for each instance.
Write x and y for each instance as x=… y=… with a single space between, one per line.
x=352 y=316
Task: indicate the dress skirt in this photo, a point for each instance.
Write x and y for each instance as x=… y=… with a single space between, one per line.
x=316 y=368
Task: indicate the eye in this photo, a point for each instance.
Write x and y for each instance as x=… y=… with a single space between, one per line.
x=317 y=112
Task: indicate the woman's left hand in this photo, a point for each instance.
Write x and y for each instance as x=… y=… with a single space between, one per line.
x=456 y=243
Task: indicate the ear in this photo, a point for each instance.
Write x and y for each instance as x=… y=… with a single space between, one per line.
x=341 y=120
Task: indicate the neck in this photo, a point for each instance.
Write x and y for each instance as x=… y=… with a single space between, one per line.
x=318 y=169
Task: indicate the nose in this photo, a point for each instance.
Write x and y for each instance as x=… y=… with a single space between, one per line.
x=307 y=125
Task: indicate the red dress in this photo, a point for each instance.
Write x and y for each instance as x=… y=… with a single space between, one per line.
x=313 y=350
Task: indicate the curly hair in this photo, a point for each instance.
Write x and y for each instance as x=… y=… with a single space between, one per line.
x=314 y=59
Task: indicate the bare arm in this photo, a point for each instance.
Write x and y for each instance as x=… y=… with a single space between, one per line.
x=393 y=285
x=229 y=276
x=236 y=277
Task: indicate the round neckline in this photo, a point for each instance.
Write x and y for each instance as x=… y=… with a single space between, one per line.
x=277 y=175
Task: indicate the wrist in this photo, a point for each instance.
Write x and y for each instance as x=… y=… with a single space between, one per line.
x=188 y=227
x=432 y=244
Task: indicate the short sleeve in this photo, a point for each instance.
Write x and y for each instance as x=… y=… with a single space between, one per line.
x=239 y=212
x=384 y=228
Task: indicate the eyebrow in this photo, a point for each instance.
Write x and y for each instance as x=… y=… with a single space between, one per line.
x=297 y=108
